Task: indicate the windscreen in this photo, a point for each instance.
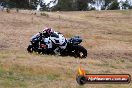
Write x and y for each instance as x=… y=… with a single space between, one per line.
x=54 y=35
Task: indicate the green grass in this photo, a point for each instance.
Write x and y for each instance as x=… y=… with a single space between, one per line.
x=4 y=55
x=44 y=14
x=25 y=76
x=22 y=77
x=124 y=12
x=11 y=79
x=52 y=77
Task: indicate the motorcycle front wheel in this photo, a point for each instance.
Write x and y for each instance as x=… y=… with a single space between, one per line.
x=80 y=51
x=30 y=49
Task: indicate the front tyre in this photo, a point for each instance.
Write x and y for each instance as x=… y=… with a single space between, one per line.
x=30 y=49
x=80 y=51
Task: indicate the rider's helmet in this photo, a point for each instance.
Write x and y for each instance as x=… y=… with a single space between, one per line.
x=47 y=31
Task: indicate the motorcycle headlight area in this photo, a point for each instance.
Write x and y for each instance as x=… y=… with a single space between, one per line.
x=76 y=40
x=34 y=40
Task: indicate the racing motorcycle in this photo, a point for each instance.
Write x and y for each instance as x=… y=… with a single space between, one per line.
x=73 y=47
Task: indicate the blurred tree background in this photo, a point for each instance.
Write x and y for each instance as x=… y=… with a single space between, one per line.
x=67 y=5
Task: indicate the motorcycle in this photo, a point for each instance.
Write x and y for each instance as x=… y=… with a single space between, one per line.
x=73 y=47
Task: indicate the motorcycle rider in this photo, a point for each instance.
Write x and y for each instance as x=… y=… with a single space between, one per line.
x=45 y=34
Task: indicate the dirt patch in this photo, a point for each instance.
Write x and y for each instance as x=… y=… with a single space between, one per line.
x=110 y=54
